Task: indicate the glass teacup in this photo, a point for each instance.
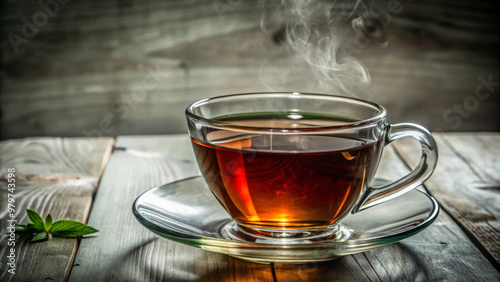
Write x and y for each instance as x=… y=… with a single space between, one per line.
x=287 y=167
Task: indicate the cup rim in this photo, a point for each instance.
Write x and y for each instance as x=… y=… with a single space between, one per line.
x=382 y=113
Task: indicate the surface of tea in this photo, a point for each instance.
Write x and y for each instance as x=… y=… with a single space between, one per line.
x=286 y=181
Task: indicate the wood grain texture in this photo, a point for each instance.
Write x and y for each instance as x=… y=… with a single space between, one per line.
x=128 y=251
x=53 y=175
x=466 y=183
x=81 y=67
x=442 y=252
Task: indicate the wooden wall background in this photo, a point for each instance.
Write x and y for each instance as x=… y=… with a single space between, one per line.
x=74 y=76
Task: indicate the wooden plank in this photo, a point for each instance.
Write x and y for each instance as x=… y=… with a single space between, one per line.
x=481 y=151
x=53 y=175
x=128 y=251
x=466 y=183
x=441 y=252
x=120 y=42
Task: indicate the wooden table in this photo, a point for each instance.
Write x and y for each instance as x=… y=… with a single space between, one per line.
x=97 y=180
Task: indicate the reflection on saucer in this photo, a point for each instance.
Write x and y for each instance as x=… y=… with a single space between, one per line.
x=185 y=211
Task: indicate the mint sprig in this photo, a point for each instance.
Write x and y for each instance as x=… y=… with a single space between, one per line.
x=39 y=230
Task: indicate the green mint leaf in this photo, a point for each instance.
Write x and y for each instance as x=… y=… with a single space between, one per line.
x=70 y=228
x=32 y=228
x=26 y=232
x=39 y=230
x=23 y=231
x=36 y=220
x=48 y=223
x=40 y=236
x=19 y=229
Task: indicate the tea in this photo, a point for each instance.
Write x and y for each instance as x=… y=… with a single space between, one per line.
x=285 y=180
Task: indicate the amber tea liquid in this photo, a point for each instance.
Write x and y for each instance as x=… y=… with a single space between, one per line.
x=286 y=181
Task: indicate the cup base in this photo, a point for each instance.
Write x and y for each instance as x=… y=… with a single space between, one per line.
x=238 y=232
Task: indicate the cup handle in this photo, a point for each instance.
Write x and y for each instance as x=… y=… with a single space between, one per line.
x=377 y=195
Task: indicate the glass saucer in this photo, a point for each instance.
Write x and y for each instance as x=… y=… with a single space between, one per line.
x=186 y=211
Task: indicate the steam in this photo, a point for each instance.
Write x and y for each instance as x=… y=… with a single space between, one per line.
x=315 y=54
